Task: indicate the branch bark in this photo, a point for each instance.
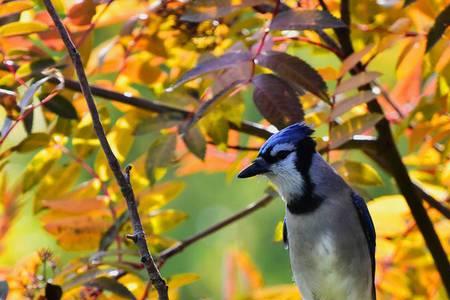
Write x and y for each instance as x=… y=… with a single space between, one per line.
x=166 y=254
x=122 y=178
x=386 y=147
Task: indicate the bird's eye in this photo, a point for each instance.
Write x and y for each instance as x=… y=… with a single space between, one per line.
x=282 y=154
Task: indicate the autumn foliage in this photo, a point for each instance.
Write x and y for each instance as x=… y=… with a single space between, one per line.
x=188 y=87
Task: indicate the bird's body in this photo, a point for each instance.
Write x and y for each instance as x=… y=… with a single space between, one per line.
x=328 y=229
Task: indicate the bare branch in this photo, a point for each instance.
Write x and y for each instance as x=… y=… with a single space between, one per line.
x=122 y=179
x=243 y=213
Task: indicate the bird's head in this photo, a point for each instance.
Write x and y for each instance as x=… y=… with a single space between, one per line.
x=284 y=158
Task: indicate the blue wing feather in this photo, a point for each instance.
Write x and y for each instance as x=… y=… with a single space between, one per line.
x=367 y=226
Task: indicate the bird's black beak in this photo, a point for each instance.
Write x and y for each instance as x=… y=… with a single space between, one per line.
x=259 y=166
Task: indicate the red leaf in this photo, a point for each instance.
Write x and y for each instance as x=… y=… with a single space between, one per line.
x=225 y=61
x=305 y=19
x=295 y=71
x=276 y=100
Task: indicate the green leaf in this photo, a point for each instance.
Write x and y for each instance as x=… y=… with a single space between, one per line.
x=112 y=285
x=195 y=142
x=33 y=142
x=110 y=235
x=34 y=67
x=357 y=125
x=439 y=27
x=296 y=71
x=160 y=155
x=276 y=100
x=158 y=122
x=278 y=233
x=305 y=19
x=358 y=173
x=22 y=28
x=39 y=166
x=61 y=106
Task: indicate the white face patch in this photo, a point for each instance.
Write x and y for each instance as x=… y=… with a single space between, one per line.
x=281 y=147
x=285 y=176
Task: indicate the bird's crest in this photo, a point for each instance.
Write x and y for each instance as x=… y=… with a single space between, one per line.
x=293 y=134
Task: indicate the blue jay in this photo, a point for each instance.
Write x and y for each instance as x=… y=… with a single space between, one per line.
x=327 y=229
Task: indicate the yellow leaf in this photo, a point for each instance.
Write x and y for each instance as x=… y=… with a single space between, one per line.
x=278 y=235
x=161 y=221
x=22 y=28
x=390 y=215
x=39 y=165
x=358 y=173
x=159 y=195
x=10 y=8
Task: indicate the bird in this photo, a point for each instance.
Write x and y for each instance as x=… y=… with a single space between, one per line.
x=328 y=230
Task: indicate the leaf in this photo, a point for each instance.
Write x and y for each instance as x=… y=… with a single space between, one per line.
x=440 y=25
x=347 y=104
x=75 y=206
x=207 y=106
x=161 y=221
x=22 y=28
x=61 y=106
x=110 y=235
x=159 y=195
x=278 y=234
x=354 y=59
x=276 y=100
x=356 y=81
x=53 y=292
x=15 y=7
x=78 y=279
x=33 y=142
x=28 y=120
x=227 y=60
x=296 y=71
x=358 y=173
x=82 y=12
x=4 y=288
x=34 y=67
x=160 y=155
x=390 y=215
x=357 y=125
x=158 y=122
x=113 y=286
x=304 y=20
x=40 y=165
x=201 y=10
x=195 y=142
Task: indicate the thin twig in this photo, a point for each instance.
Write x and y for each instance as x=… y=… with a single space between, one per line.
x=166 y=254
x=121 y=178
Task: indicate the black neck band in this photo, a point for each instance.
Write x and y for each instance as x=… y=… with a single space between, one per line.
x=307 y=201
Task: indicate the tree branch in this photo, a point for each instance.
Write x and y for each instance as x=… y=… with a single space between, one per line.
x=387 y=148
x=122 y=179
x=166 y=254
